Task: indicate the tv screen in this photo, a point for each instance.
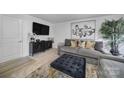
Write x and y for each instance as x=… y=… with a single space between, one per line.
x=40 y=29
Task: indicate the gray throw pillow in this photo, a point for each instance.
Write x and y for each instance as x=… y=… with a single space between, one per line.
x=99 y=46
x=67 y=42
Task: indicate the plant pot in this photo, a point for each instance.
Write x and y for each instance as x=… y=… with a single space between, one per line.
x=114 y=51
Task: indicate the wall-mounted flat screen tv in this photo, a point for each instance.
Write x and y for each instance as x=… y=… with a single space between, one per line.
x=40 y=29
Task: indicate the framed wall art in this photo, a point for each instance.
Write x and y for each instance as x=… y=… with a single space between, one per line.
x=83 y=30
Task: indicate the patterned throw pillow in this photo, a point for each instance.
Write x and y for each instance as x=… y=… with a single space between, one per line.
x=74 y=43
x=90 y=44
x=82 y=44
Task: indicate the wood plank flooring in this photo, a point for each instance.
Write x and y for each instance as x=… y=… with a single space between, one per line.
x=23 y=67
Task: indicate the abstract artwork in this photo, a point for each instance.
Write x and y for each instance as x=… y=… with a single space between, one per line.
x=83 y=29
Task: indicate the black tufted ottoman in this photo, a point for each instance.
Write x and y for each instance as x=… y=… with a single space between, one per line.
x=70 y=65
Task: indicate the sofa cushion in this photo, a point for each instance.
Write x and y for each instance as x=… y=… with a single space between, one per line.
x=112 y=68
x=69 y=49
x=89 y=53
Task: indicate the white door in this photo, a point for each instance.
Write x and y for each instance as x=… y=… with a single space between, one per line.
x=11 y=38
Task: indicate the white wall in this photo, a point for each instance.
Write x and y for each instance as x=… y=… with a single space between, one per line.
x=27 y=28
x=0 y=39
x=59 y=31
x=63 y=30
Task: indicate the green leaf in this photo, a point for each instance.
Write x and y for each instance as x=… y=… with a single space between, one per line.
x=113 y=30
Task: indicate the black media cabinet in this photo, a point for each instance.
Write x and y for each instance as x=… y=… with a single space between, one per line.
x=39 y=46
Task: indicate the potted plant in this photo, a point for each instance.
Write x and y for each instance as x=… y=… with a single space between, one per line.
x=113 y=31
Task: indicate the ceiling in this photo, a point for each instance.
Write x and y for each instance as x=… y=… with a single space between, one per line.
x=57 y=18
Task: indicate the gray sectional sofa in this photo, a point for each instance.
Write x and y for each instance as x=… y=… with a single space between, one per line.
x=88 y=54
x=106 y=63
x=91 y=55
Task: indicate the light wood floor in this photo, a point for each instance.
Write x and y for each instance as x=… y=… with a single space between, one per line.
x=47 y=56
x=24 y=66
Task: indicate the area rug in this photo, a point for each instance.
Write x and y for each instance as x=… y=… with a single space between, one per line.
x=46 y=71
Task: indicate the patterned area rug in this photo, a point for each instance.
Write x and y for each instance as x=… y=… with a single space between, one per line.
x=46 y=71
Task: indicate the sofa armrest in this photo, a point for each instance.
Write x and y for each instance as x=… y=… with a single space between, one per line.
x=111 y=57
x=101 y=51
x=61 y=44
